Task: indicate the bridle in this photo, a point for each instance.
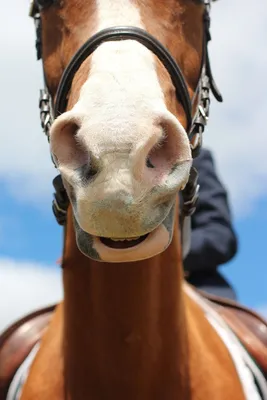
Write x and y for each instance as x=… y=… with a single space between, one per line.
x=195 y=124
x=117 y=34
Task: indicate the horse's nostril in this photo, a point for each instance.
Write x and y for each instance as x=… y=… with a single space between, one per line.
x=65 y=145
x=149 y=163
x=90 y=173
x=168 y=150
x=87 y=172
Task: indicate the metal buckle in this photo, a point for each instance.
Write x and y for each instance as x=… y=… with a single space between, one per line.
x=207 y=4
x=61 y=201
x=189 y=206
x=203 y=113
x=45 y=111
x=32 y=9
x=60 y=214
x=59 y=209
x=190 y=193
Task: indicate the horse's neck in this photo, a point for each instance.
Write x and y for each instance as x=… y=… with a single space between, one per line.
x=124 y=326
x=128 y=332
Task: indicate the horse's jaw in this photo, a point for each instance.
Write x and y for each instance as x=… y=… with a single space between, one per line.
x=128 y=249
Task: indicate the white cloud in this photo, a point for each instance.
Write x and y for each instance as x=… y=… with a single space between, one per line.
x=25 y=164
x=236 y=130
x=25 y=287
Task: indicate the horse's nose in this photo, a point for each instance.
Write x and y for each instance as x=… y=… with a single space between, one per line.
x=153 y=150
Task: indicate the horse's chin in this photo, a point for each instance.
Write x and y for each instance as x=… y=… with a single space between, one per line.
x=118 y=250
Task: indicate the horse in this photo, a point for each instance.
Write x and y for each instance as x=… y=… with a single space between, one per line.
x=125 y=104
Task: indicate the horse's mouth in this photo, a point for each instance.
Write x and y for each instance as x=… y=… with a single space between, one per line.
x=123 y=243
x=117 y=250
x=123 y=249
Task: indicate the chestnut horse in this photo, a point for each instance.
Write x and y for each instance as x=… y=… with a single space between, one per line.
x=125 y=104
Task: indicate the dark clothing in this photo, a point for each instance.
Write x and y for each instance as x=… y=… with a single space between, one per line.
x=213 y=283
x=213 y=240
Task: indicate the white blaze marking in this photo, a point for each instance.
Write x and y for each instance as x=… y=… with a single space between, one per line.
x=117 y=12
x=119 y=111
x=122 y=87
x=126 y=56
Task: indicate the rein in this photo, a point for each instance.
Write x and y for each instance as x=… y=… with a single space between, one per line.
x=195 y=124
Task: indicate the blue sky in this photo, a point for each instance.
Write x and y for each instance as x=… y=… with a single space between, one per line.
x=248 y=271
x=34 y=235
x=30 y=239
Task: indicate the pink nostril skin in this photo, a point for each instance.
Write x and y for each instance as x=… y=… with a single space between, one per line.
x=65 y=146
x=168 y=147
x=154 y=149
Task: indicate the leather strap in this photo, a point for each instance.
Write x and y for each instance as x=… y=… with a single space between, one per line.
x=119 y=33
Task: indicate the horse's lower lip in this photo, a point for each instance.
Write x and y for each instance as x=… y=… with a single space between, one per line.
x=122 y=244
x=151 y=244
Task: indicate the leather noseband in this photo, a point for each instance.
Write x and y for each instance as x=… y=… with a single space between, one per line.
x=118 y=33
